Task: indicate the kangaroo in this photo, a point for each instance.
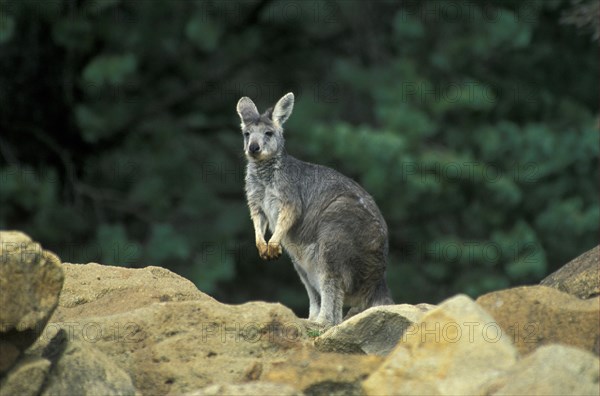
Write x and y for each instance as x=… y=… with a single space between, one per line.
x=330 y=226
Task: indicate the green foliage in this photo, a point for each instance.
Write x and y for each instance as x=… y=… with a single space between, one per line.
x=114 y=246
x=473 y=125
x=7 y=28
x=204 y=33
x=112 y=70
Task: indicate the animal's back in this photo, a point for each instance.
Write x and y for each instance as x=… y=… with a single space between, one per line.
x=331 y=199
x=342 y=221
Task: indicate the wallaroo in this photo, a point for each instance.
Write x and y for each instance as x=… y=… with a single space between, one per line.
x=328 y=224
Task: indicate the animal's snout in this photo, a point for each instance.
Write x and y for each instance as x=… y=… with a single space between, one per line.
x=254 y=148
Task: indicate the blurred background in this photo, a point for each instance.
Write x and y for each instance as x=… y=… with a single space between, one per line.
x=474 y=124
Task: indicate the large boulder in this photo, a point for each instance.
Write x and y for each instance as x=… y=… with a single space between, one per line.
x=9 y=354
x=80 y=369
x=552 y=370
x=176 y=347
x=455 y=349
x=247 y=389
x=537 y=315
x=168 y=336
x=94 y=289
x=579 y=277
x=373 y=331
x=323 y=373
x=26 y=377
x=30 y=282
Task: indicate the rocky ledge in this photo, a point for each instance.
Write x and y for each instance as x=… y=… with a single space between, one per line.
x=98 y=330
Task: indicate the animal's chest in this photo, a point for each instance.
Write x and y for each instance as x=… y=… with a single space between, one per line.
x=271 y=204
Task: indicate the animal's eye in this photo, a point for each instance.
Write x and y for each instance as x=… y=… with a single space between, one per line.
x=269 y=133
x=246 y=134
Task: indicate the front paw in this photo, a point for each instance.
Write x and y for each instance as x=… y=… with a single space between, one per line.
x=273 y=250
x=269 y=251
x=262 y=249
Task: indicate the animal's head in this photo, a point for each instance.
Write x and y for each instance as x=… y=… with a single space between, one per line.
x=263 y=134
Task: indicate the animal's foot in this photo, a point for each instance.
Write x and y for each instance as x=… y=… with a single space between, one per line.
x=262 y=249
x=269 y=251
x=326 y=322
x=273 y=250
x=313 y=328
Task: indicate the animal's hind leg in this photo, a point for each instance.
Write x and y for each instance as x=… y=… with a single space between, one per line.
x=332 y=300
x=314 y=298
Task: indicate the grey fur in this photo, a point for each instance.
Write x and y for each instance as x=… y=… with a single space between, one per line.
x=328 y=224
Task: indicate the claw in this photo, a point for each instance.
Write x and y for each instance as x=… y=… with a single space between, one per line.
x=273 y=250
x=262 y=250
x=269 y=251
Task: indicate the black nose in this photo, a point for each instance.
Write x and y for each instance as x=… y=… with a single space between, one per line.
x=254 y=148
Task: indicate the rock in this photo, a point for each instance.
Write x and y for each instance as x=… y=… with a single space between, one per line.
x=579 y=277
x=94 y=289
x=9 y=354
x=455 y=349
x=30 y=280
x=248 y=389
x=79 y=369
x=114 y=329
x=26 y=378
x=552 y=370
x=536 y=315
x=177 y=347
x=323 y=373
x=185 y=343
x=373 y=331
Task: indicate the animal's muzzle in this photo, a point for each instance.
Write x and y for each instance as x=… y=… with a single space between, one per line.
x=254 y=148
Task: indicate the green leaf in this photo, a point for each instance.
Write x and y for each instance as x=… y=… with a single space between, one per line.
x=110 y=69
x=92 y=124
x=73 y=33
x=7 y=27
x=204 y=33
x=115 y=247
x=166 y=244
x=407 y=27
x=98 y=6
x=214 y=264
x=531 y=262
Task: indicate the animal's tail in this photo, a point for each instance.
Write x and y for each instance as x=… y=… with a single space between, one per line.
x=381 y=295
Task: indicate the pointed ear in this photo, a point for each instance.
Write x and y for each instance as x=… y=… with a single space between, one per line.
x=283 y=108
x=247 y=111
